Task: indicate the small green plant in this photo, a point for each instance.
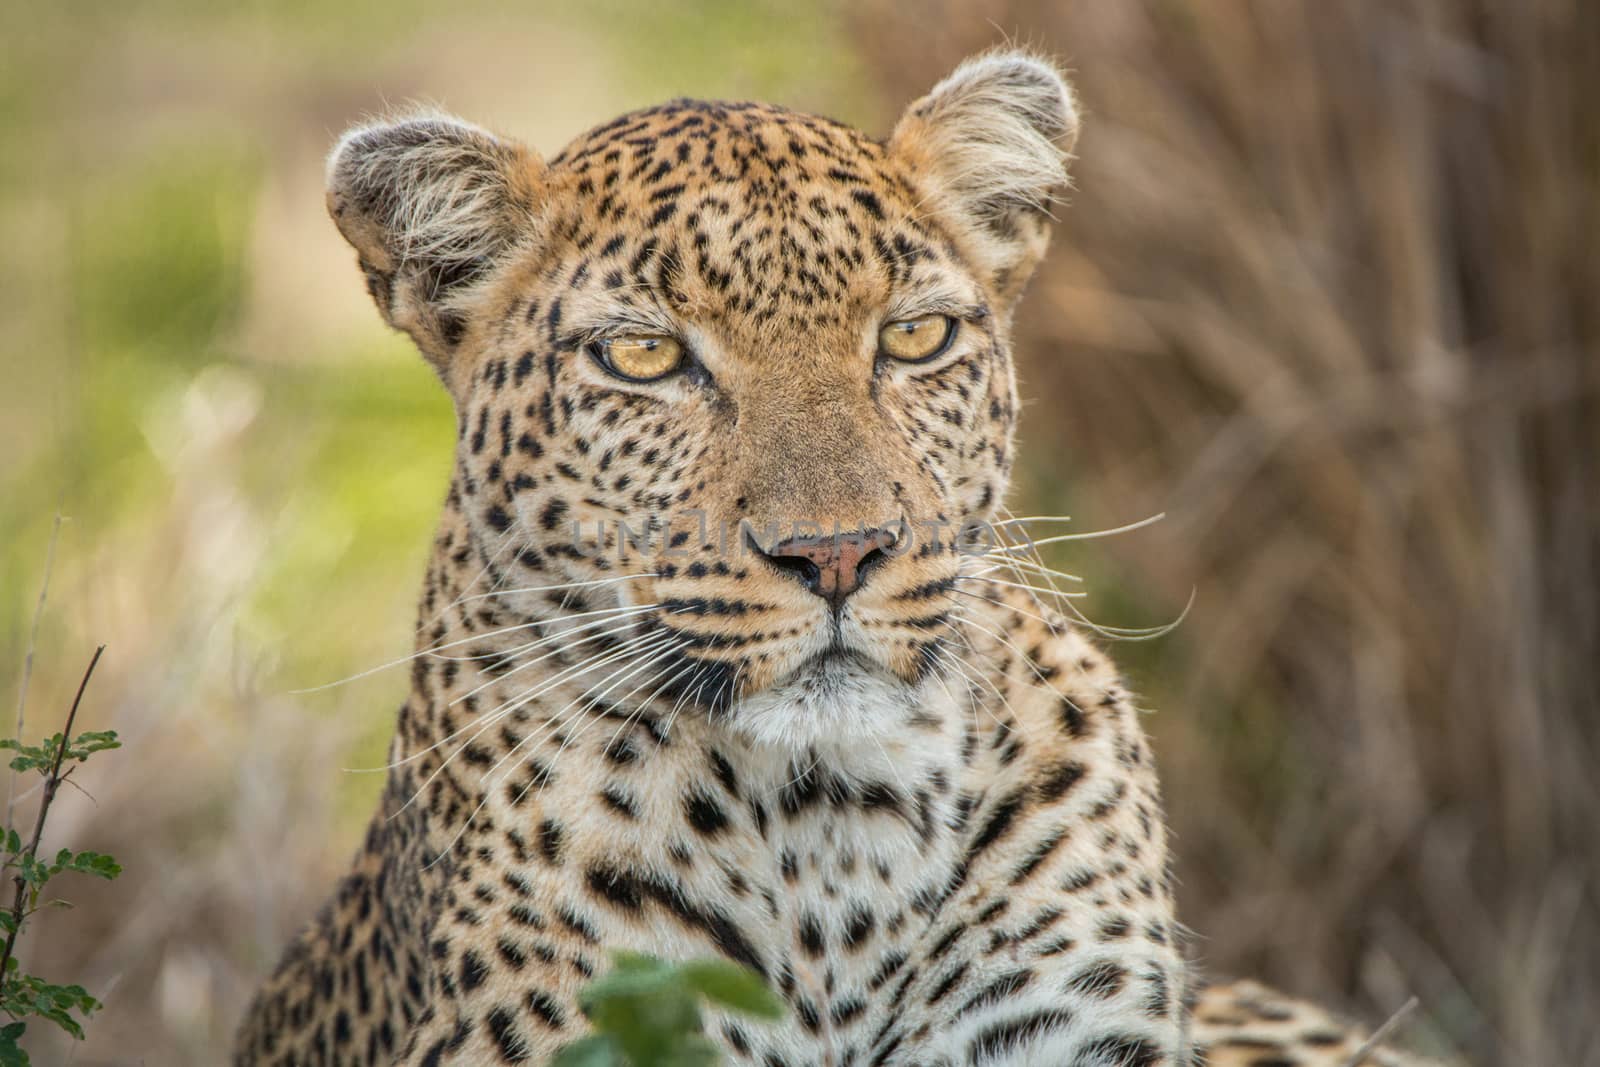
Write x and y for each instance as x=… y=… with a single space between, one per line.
x=646 y=1013
x=25 y=996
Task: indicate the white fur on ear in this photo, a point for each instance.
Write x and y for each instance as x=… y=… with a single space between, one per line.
x=430 y=203
x=1000 y=129
x=996 y=136
x=434 y=187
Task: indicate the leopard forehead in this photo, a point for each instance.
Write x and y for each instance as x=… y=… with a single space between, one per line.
x=751 y=219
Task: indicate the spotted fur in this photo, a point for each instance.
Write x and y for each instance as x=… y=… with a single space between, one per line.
x=929 y=818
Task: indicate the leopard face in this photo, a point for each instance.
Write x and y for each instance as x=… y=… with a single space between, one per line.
x=733 y=383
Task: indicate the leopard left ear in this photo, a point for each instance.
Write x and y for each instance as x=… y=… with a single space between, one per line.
x=432 y=205
x=990 y=143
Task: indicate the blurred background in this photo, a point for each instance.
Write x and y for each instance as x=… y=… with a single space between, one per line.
x=1327 y=294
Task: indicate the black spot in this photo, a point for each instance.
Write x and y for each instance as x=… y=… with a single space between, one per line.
x=869 y=201
x=1102 y=980
x=552 y=514
x=1007 y=985
x=858 y=927
x=811 y=937
x=999 y=823
x=704 y=813
x=1072 y=718
x=1054 y=783
x=1127 y=1051
x=997 y=1038
x=512 y=953
x=503 y=1025
x=474 y=972
x=724 y=772
x=620 y=802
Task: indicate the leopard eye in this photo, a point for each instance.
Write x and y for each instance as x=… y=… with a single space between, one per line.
x=640 y=359
x=917 y=340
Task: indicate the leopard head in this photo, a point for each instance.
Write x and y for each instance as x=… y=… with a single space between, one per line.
x=732 y=380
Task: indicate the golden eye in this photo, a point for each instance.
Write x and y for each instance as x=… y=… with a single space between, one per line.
x=640 y=359
x=916 y=340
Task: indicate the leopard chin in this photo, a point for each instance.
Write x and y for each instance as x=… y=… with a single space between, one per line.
x=837 y=698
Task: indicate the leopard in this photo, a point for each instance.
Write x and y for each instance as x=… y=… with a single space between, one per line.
x=726 y=647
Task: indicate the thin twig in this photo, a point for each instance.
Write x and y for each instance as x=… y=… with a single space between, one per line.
x=1381 y=1034
x=51 y=782
x=27 y=660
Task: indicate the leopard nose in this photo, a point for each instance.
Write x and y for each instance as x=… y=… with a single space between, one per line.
x=833 y=566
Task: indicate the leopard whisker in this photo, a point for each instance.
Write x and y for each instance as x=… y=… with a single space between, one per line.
x=1053 y=626
x=557 y=721
x=1017 y=585
x=1026 y=659
x=614 y=627
x=1015 y=520
x=511 y=706
x=567 y=585
x=1087 y=535
x=645 y=703
x=505 y=542
x=626 y=672
x=1012 y=562
x=953 y=664
x=700 y=666
x=962 y=667
x=433 y=650
x=1123 y=633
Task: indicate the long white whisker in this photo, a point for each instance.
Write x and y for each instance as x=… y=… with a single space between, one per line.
x=552 y=588
x=1018 y=521
x=1044 y=683
x=505 y=542
x=554 y=721
x=961 y=667
x=645 y=703
x=1087 y=535
x=642 y=651
x=510 y=706
x=1022 y=568
x=1016 y=585
x=1007 y=607
x=506 y=709
x=571 y=639
x=435 y=649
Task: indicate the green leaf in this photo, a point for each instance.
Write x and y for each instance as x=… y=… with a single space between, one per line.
x=731 y=986
x=632 y=975
x=11 y=1054
x=597 y=1050
x=32 y=871
x=96 y=863
x=13 y=842
x=693 y=1051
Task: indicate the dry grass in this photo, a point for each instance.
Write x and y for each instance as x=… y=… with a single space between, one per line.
x=1327 y=295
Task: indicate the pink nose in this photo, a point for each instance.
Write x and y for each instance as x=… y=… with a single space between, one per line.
x=832 y=567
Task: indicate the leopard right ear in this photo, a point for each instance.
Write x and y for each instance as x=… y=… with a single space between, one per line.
x=431 y=205
x=990 y=144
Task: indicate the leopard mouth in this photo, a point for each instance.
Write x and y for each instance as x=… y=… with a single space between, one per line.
x=830 y=664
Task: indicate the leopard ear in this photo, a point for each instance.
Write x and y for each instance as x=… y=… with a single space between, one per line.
x=431 y=205
x=991 y=143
